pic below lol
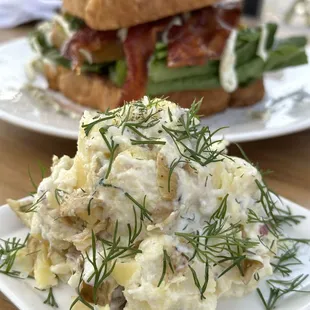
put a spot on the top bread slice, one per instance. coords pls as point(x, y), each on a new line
point(116, 14)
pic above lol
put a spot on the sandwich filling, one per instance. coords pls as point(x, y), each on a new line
point(199, 50)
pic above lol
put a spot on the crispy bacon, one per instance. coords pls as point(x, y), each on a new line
point(89, 40)
point(138, 47)
point(203, 36)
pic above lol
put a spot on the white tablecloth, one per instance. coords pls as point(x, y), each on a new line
point(16, 12)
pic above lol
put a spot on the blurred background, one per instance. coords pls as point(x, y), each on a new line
point(289, 13)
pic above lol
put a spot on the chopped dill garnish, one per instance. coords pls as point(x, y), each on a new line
point(170, 115)
point(202, 288)
point(89, 205)
point(279, 288)
point(80, 297)
point(144, 212)
point(141, 142)
point(33, 183)
point(8, 251)
point(166, 261)
point(88, 127)
point(59, 195)
point(217, 238)
point(50, 300)
point(285, 259)
point(32, 207)
point(112, 148)
point(220, 212)
point(111, 251)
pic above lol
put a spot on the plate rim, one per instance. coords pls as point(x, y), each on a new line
point(273, 133)
point(39, 128)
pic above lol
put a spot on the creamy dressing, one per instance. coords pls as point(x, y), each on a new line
point(228, 74)
point(87, 55)
point(122, 34)
point(65, 25)
point(262, 49)
point(47, 29)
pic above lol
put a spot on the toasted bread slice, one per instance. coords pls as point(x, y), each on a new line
point(213, 100)
point(249, 95)
point(88, 90)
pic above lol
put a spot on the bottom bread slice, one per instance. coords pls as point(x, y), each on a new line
point(100, 93)
point(88, 90)
point(217, 100)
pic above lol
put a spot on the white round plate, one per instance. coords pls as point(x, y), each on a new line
point(286, 108)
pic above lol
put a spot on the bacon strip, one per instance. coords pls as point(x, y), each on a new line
point(203, 36)
point(89, 40)
point(138, 47)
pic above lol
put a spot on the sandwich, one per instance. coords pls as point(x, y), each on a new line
point(102, 53)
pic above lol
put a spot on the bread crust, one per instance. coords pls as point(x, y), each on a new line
point(249, 95)
point(116, 14)
point(88, 90)
point(213, 100)
point(99, 93)
point(217, 100)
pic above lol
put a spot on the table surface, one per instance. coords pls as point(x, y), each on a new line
point(288, 157)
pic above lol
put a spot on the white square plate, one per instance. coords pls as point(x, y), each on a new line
point(23, 294)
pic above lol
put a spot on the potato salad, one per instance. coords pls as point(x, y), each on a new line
point(150, 214)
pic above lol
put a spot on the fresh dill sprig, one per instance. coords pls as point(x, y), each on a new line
point(280, 288)
point(145, 213)
point(220, 212)
point(146, 142)
point(269, 247)
point(33, 206)
point(297, 240)
point(202, 152)
point(217, 238)
point(112, 146)
point(170, 115)
point(101, 272)
point(270, 208)
point(33, 183)
point(89, 205)
point(286, 259)
point(80, 298)
point(286, 217)
point(166, 262)
point(202, 288)
point(134, 233)
point(50, 300)
point(88, 127)
point(111, 251)
point(59, 195)
point(142, 121)
point(8, 251)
